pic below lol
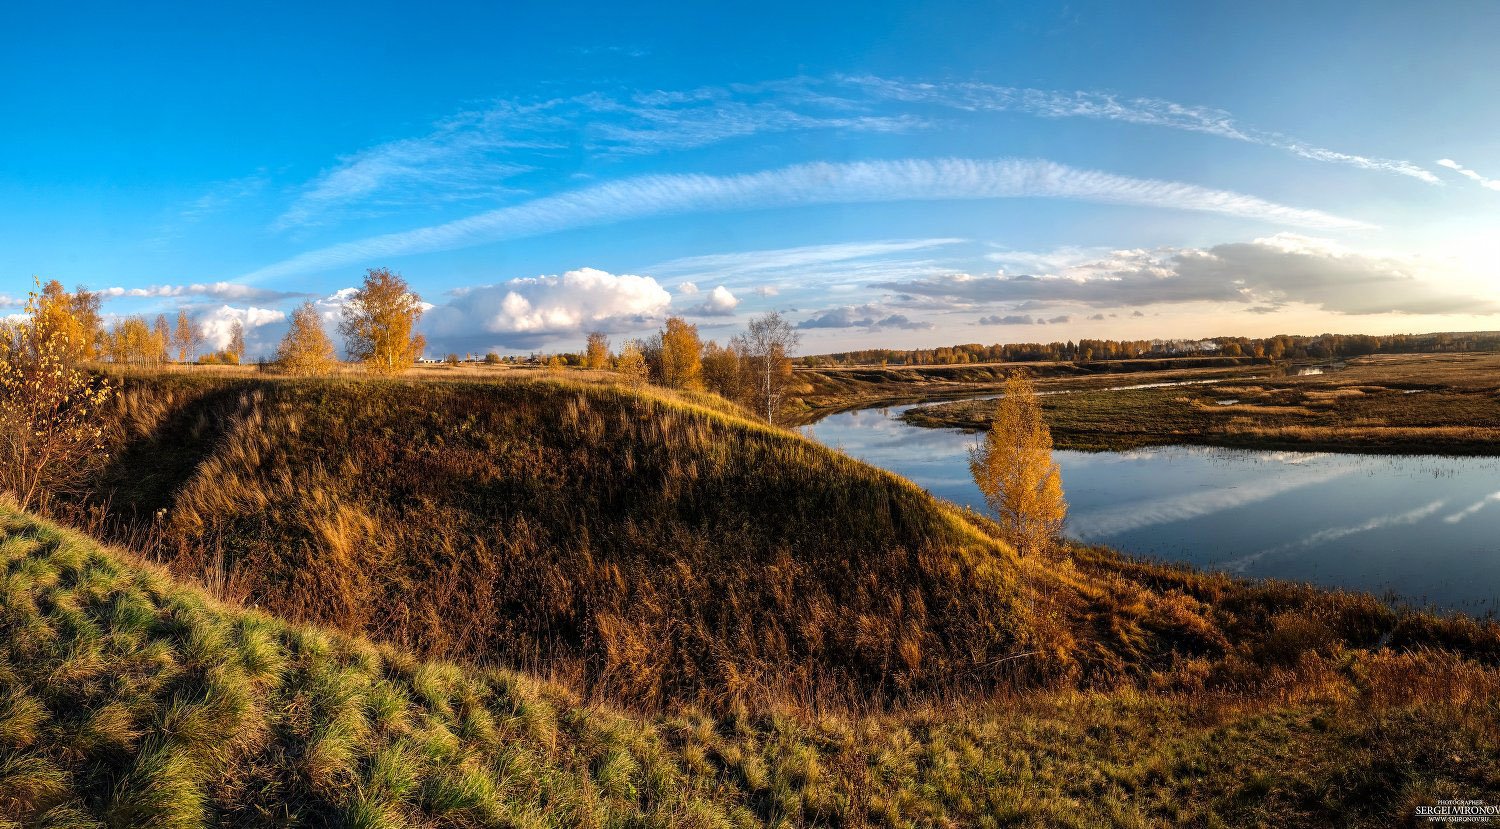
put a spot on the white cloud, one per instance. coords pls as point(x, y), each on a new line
point(212, 290)
point(522, 310)
point(1266, 273)
point(215, 324)
point(1491, 183)
point(802, 184)
point(687, 289)
point(719, 303)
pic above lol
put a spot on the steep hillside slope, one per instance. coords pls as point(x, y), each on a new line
point(657, 547)
point(128, 699)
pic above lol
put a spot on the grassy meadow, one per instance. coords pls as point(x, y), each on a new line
point(541, 599)
point(1419, 403)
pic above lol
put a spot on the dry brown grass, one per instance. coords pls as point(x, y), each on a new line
point(1446, 403)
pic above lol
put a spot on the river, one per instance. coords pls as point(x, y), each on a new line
point(1422, 528)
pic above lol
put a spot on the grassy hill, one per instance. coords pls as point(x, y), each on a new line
point(653, 549)
point(130, 699)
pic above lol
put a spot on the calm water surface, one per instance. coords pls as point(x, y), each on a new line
point(1426, 528)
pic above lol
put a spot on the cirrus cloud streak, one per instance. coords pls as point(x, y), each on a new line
point(800, 185)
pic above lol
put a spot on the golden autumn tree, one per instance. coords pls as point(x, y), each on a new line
point(71, 321)
point(132, 342)
point(596, 351)
point(161, 340)
point(379, 324)
point(306, 350)
point(680, 355)
point(1015, 472)
point(186, 337)
point(724, 373)
point(50, 433)
point(631, 364)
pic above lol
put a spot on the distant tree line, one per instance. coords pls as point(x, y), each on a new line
point(1279, 347)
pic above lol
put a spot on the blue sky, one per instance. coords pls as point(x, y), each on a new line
point(884, 173)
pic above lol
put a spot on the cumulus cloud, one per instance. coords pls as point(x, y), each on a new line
point(802, 184)
point(1265, 273)
point(869, 317)
point(687, 288)
point(523, 311)
point(719, 303)
point(215, 324)
point(212, 290)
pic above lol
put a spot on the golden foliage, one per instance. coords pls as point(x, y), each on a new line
point(631, 364)
point(49, 406)
point(596, 353)
point(681, 360)
point(306, 350)
point(1014, 470)
point(69, 321)
point(379, 321)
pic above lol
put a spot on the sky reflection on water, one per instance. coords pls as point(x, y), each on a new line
point(1425, 527)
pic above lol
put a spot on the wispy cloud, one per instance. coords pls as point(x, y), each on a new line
point(781, 260)
point(210, 290)
point(803, 184)
point(475, 154)
point(1483, 181)
point(1110, 107)
point(479, 153)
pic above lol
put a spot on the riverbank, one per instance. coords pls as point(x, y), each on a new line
point(1399, 404)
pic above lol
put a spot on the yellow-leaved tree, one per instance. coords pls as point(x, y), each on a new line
point(1015, 472)
point(631, 364)
point(680, 355)
point(69, 321)
point(596, 352)
point(50, 426)
point(306, 350)
point(380, 321)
